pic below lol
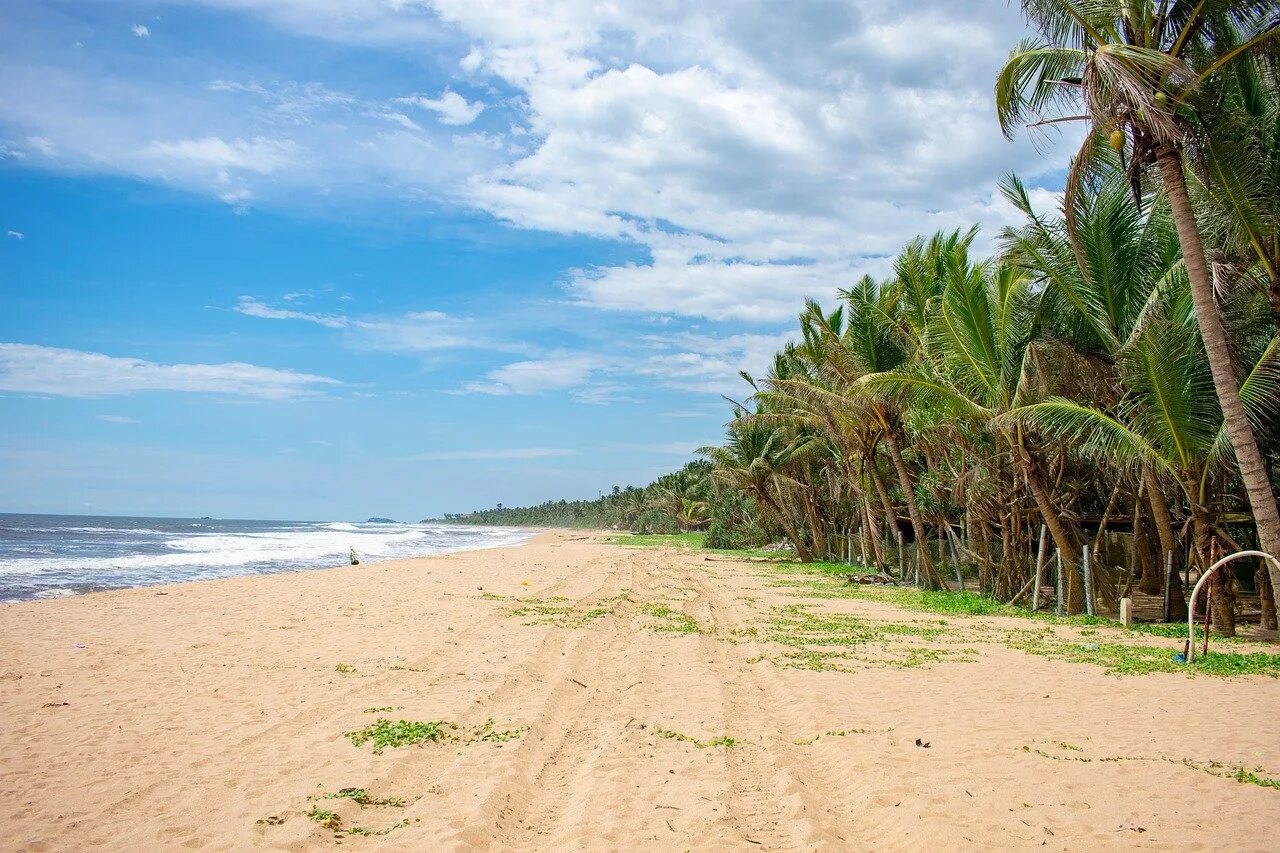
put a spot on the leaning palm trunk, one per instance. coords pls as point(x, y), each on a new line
point(1067, 545)
point(1253, 469)
point(928, 572)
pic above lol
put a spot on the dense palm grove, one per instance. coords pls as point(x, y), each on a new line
point(1114, 366)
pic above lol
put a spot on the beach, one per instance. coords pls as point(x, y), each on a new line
point(594, 696)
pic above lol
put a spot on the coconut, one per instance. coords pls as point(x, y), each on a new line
point(1117, 139)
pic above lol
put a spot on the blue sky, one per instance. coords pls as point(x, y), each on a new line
point(322, 259)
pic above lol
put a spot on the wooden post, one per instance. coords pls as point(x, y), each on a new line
point(1166, 611)
point(955, 557)
point(1057, 604)
point(902, 565)
point(1035, 593)
point(1088, 582)
point(1126, 612)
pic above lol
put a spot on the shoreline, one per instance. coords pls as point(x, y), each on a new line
point(603, 697)
point(532, 534)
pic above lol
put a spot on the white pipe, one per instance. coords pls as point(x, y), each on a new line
point(1191, 609)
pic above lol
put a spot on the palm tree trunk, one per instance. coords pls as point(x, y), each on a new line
point(1168, 543)
point(1253, 469)
point(890, 517)
point(928, 574)
point(1224, 580)
point(784, 518)
point(1062, 538)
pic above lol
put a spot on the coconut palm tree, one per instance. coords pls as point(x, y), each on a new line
point(1133, 70)
point(983, 362)
point(753, 460)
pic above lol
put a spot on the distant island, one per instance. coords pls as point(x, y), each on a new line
point(376, 520)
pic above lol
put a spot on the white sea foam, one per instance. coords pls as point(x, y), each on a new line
point(229, 552)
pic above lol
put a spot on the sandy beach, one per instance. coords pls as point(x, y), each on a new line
point(600, 697)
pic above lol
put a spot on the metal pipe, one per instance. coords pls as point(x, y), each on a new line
point(1191, 608)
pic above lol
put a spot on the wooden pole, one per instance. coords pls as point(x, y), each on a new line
point(1088, 582)
point(1035, 593)
point(955, 556)
point(1126, 612)
point(1166, 612)
point(1057, 604)
point(902, 565)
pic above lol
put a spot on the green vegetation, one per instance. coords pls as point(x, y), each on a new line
point(724, 741)
point(344, 667)
point(1131, 659)
point(676, 503)
point(836, 733)
point(560, 611)
point(383, 733)
point(1112, 366)
point(1243, 775)
point(671, 620)
point(364, 798)
point(326, 818)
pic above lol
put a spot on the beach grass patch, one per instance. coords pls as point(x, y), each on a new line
point(1135, 659)
point(723, 741)
point(693, 541)
point(344, 668)
point(363, 798)
point(384, 733)
point(561, 611)
point(1244, 775)
point(325, 817)
point(670, 620)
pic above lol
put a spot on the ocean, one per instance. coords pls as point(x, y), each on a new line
point(49, 556)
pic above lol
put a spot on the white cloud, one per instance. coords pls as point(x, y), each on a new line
point(260, 154)
point(118, 419)
point(451, 107)
point(17, 235)
point(33, 369)
point(494, 454)
point(253, 308)
point(141, 31)
point(751, 158)
point(709, 363)
point(557, 372)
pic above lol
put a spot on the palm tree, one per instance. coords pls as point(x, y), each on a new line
point(753, 460)
point(1167, 423)
point(1133, 70)
point(1098, 277)
point(982, 363)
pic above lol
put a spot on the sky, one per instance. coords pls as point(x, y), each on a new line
point(332, 259)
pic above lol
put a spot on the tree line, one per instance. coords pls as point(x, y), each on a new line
point(1113, 364)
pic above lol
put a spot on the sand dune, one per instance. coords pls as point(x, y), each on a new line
point(589, 685)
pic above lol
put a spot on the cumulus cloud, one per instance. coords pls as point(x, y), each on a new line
point(495, 454)
point(752, 158)
point(141, 31)
point(451, 107)
point(33, 369)
point(16, 235)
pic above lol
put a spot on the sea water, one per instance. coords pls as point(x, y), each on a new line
point(48, 556)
